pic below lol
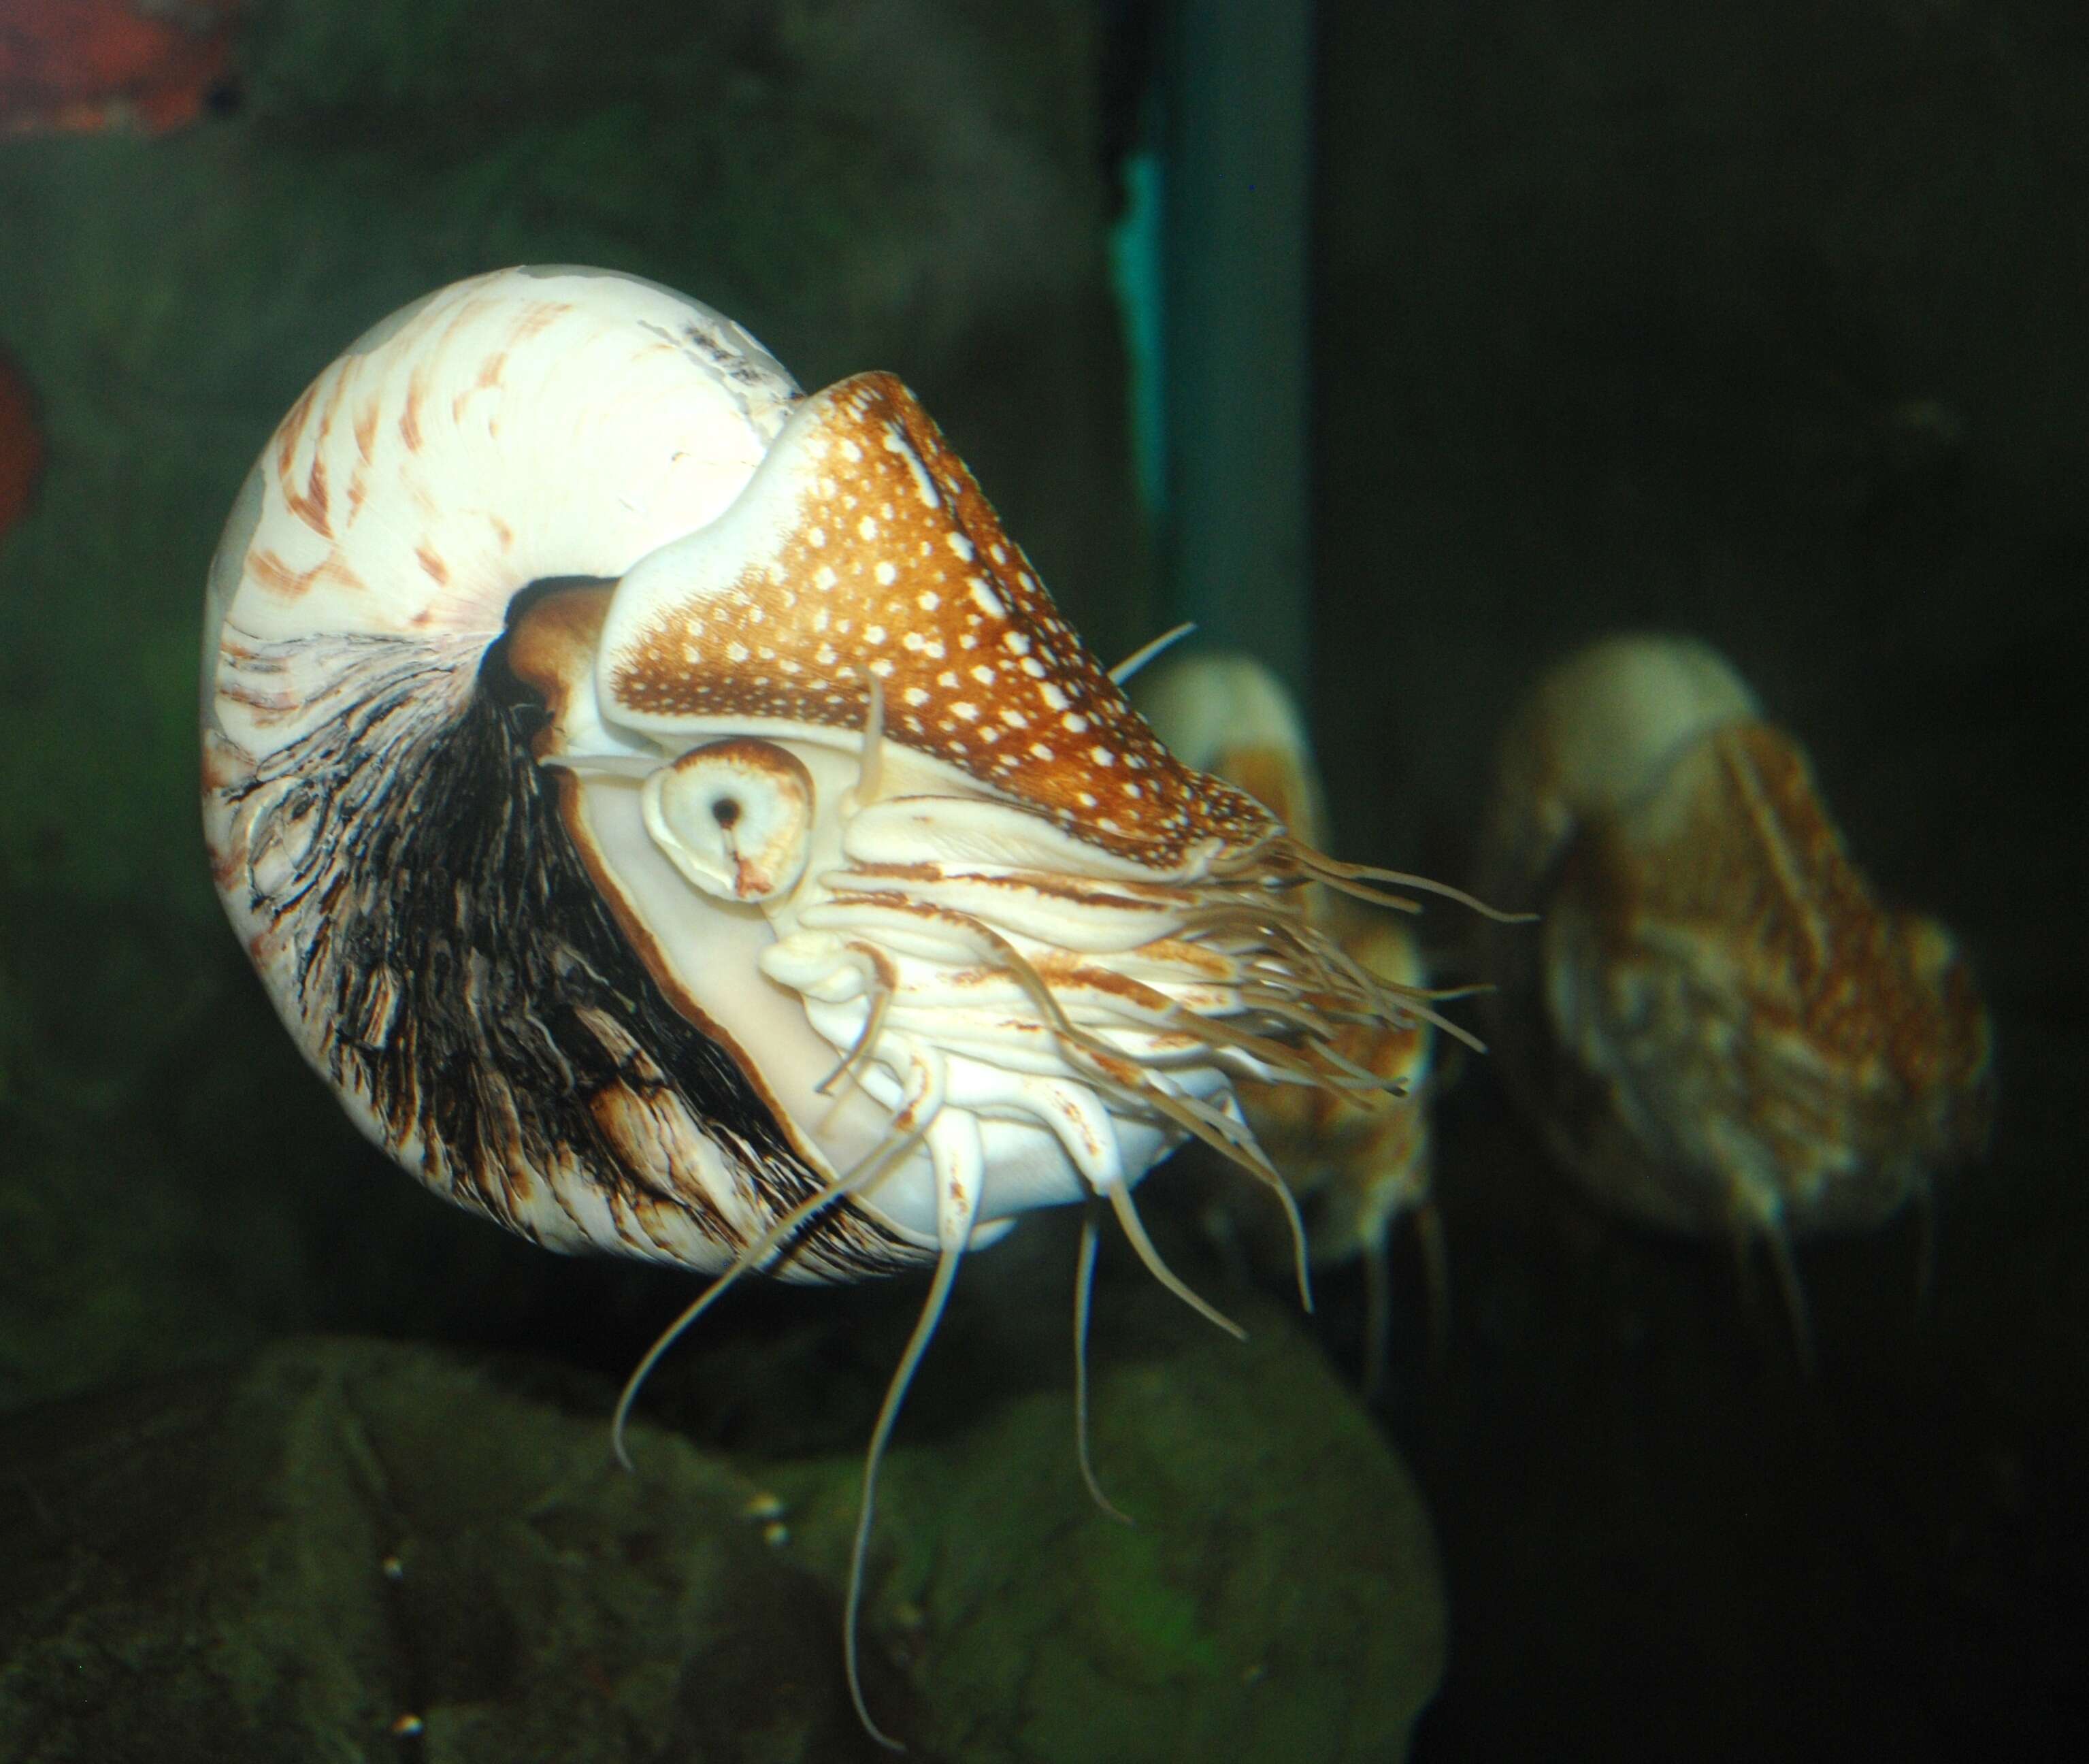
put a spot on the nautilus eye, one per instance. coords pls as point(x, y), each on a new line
point(734, 816)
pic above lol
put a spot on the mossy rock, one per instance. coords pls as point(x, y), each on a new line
point(341, 1542)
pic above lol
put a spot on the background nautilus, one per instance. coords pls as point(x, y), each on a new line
point(1357, 1163)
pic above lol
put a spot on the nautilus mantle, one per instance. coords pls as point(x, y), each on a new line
point(1721, 1028)
point(670, 812)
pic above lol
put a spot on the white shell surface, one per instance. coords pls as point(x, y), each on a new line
point(459, 452)
point(1597, 734)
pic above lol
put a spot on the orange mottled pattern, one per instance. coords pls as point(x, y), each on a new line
point(894, 567)
point(1756, 868)
point(79, 65)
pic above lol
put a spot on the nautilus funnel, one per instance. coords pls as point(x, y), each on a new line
point(1721, 1028)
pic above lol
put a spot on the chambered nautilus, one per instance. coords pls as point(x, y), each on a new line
point(670, 812)
point(1721, 1029)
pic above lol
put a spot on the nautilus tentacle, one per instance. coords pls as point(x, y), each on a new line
point(673, 816)
point(1358, 1161)
point(1721, 1030)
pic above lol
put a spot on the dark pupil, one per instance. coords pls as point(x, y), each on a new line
point(725, 811)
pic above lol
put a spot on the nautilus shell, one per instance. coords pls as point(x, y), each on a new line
point(1357, 1162)
point(1720, 1028)
point(671, 813)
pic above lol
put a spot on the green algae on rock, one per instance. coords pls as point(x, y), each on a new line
point(345, 1540)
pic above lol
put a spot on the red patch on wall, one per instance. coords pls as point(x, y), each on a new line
point(21, 445)
point(77, 66)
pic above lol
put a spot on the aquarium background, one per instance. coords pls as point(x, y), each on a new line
point(1743, 322)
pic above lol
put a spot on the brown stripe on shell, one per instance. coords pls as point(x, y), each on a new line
point(410, 418)
point(894, 567)
point(308, 503)
point(272, 573)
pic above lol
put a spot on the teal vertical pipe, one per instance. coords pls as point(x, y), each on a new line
point(1237, 92)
